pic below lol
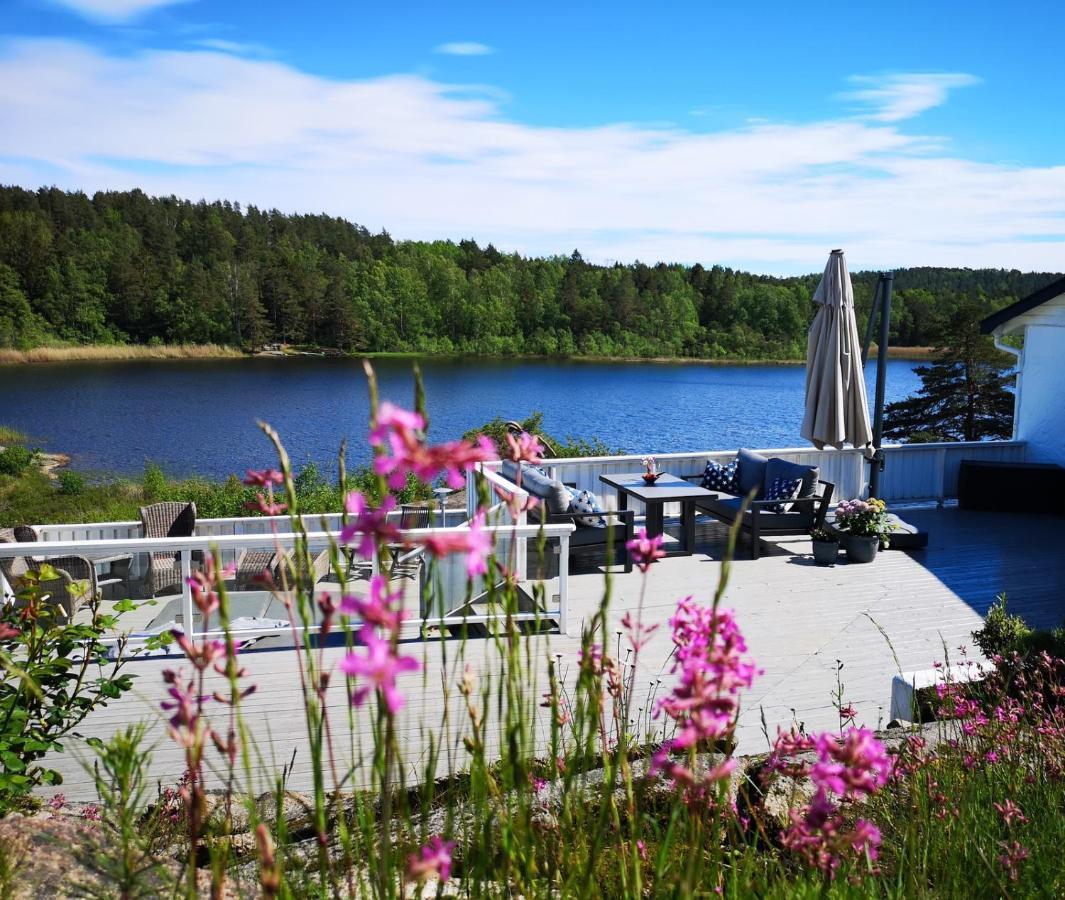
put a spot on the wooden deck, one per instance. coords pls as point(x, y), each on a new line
point(798, 619)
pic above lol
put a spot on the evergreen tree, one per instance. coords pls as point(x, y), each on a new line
point(965, 395)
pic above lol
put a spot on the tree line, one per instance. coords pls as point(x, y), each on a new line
point(123, 267)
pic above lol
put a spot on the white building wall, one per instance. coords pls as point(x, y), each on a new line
point(1040, 414)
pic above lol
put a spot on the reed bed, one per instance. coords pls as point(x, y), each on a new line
point(113, 352)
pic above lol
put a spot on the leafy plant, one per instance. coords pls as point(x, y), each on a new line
point(70, 483)
point(52, 675)
point(120, 775)
point(16, 459)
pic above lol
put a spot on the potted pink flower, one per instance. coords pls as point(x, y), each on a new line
point(650, 467)
point(865, 527)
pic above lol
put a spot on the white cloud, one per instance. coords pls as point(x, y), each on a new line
point(464, 48)
point(903, 96)
point(429, 160)
point(115, 10)
point(238, 48)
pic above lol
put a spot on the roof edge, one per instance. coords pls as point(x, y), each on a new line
point(993, 321)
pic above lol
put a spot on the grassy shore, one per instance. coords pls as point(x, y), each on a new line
point(131, 352)
point(105, 352)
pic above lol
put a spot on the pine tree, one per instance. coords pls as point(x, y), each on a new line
point(965, 395)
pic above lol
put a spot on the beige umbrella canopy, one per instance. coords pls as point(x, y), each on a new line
point(837, 411)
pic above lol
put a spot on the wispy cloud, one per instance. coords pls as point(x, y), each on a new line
point(114, 11)
point(430, 160)
point(238, 48)
point(895, 97)
point(464, 48)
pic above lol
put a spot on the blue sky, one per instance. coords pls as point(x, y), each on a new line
point(756, 136)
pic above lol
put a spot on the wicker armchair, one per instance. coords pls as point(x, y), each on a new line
point(169, 519)
point(75, 584)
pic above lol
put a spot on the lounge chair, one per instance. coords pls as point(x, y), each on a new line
point(755, 472)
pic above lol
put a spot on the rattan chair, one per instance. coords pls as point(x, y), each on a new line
point(169, 519)
point(75, 584)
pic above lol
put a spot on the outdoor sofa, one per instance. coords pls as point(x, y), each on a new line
point(762, 516)
point(555, 507)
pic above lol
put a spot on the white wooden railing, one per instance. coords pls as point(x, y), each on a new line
point(257, 535)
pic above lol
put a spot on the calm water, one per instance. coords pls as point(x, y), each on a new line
point(199, 417)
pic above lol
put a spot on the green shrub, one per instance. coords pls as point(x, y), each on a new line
point(15, 460)
point(1004, 634)
point(533, 424)
point(70, 483)
point(52, 675)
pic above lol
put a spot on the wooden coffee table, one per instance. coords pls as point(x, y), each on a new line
point(667, 489)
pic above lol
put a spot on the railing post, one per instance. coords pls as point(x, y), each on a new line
point(563, 584)
point(188, 621)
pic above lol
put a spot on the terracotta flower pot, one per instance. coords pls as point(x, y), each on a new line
point(649, 478)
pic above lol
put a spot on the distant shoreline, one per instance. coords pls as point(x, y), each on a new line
point(140, 352)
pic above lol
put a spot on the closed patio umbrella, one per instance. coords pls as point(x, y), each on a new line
point(837, 411)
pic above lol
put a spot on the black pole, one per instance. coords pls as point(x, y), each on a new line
point(872, 321)
point(887, 279)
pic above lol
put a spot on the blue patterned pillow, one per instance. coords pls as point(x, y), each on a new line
point(587, 502)
point(782, 489)
point(717, 477)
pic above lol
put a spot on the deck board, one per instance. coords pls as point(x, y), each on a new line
point(798, 619)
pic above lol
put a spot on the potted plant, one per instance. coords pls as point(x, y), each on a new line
point(865, 528)
point(650, 473)
point(826, 547)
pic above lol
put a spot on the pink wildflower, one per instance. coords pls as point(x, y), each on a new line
point(474, 541)
point(263, 477)
point(265, 505)
point(1013, 854)
point(184, 704)
point(645, 550)
point(433, 858)
point(1010, 813)
point(57, 802)
point(91, 812)
point(370, 523)
point(379, 666)
point(637, 633)
point(201, 655)
point(641, 849)
point(525, 448)
point(403, 431)
point(378, 609)
point(852, 766)
point(847, 712)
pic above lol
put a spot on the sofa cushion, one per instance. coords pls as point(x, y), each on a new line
point(554, 494)
point(782, 468)
point(727, 508)
point(587, 502)
point(784, 490)
point(751, 473)
point(717, 477)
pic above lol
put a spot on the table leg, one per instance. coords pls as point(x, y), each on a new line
point(655, 518)
point(687, 520)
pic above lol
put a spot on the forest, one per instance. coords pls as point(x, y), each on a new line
point(127, 268)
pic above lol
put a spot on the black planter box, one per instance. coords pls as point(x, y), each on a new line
point(1011, 487)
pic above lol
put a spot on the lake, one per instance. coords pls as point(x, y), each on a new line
point(198, 417)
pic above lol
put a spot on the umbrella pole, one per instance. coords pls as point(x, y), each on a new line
point(887, 280)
